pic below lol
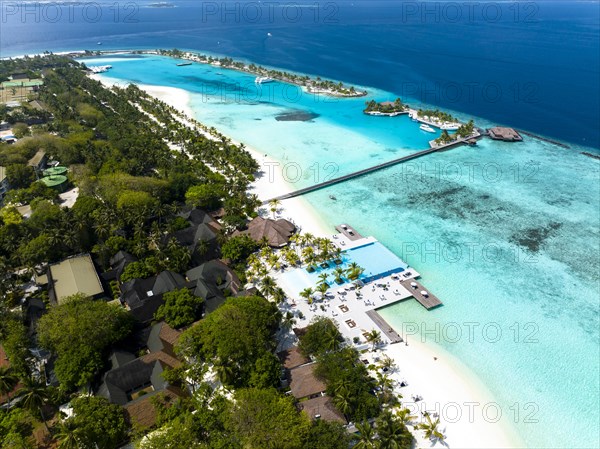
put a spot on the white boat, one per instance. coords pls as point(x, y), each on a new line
point(450, 126)
point(263, 79)
point(100, 68)
point(426, 128)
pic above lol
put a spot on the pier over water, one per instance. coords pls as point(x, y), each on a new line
point(365, 171)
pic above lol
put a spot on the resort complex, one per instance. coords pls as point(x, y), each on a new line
point(201, 252)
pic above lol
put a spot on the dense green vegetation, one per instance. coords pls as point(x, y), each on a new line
point(386, 107)
point(238, 339)
point(436, 114)
point(180, 308)
point(77, 331)
point(137, 164)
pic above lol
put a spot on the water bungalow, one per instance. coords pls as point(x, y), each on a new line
point(504, 134)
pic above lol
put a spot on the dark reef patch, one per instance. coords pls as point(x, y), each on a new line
point(296, 116)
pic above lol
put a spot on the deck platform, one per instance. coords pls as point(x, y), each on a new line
point(429, 302)
point(390, 333)
point(349, 232)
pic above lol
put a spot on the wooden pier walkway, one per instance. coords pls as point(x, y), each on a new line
point(390, 333)
point(372, 169)
point(429, 302)
point(352, 175)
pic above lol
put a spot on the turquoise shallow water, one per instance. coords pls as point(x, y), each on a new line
point(506, 235)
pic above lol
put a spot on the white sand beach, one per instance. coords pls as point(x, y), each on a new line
point(443, 381)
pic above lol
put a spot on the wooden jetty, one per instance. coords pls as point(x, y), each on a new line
point(390, 333)
point(348, 231)
point(429, 302)
point(372, 169)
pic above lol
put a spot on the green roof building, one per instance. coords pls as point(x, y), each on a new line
point(74, 275)
point(54, 181)
point(53, 171)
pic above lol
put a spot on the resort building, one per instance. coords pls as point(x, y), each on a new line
point(308, 390)
point(74, 275)
point(3, 183)
point(214, 281)
point(200, 237)
point(143, 297)
point(505, 134)
point(276, 232)
point(132, 382)
point(38, 161)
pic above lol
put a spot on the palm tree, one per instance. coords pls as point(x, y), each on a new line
point(307, 293)
point(387, 363)
point(322, 287)
point(67, 435)
point(34, 396)
point(288, 320)
point(338, 272)
point(405, 416)
point(274, 206)
point(342, 402)
point(393, 434)
point(268, 286)
point(365, 437)
point(278, 295)
point(431, 428)
point(373, 337)
point(8, 381)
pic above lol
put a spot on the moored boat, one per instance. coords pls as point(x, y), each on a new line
point(263, 79)
point(426, 128)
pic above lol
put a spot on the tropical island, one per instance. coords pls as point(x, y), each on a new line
point(464, 131)
point(313, 85)
point(155, 236)
point(386, 108)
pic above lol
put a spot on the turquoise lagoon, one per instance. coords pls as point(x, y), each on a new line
point(506, 235)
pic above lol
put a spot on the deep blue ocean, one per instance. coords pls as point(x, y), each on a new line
point(531, 65)
point(515, 243)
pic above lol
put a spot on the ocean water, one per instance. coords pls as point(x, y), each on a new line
point(506, 235)
point(532, 65)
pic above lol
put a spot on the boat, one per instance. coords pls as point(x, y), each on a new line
point(331, 197)
point(181, 64)
point(100, 68)
point(426, 128)
point(99, 43)
point(263, 79)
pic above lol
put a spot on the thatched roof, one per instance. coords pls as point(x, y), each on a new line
point(321, 407)
point(277, 232)
point(291, 358)
point(304, 383)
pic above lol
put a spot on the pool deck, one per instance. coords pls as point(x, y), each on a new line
point(355, 309)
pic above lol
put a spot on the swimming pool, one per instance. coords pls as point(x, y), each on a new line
point(375, 258)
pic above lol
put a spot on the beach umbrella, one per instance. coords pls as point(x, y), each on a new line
point(424, 293)
point(413, 284)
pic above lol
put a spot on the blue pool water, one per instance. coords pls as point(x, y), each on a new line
point(374, 258)
point(504, 234)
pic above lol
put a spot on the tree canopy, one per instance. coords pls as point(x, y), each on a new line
point(179, 309)
point(322, 335)
point(98, 423)
point(236, 338)
point(264, 419)
point(78, 330)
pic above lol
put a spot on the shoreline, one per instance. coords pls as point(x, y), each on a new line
point(443, 381)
